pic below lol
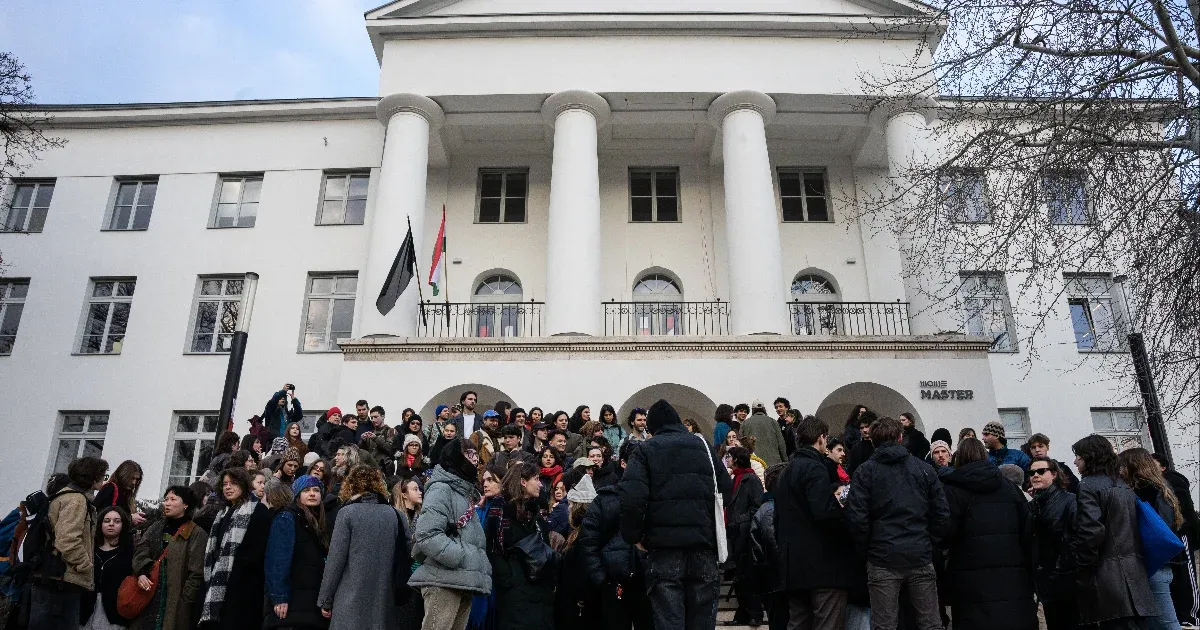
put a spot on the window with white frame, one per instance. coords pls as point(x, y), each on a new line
point(344, 198)
point(1094, 317)
point(28, 206)
point(191, 446)
point(964, 195)
point(502, 195)
point(237, 201)
point(107, 315)
point(328, 310)
point(1123, 427)
point(658, 305)
point(1065, 196)
point(987, 310)
point(802, 195)
point(12, 304)
point(80, 434)
point(654, 195)
point(497, 306)
point(133, 204)
point(215, 314)
point(1016, 426)
point(308, 425)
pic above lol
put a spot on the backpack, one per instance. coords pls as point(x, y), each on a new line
point(32, 550)
point(8, 530)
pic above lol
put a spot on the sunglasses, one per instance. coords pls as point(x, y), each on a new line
point(1038, 471)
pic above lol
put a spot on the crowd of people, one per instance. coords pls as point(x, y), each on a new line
point(508, 519)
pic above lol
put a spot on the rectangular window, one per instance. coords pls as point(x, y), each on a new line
point(502, 195)
point(1122, 426)
point(987, 309)
point(1094, 317)
point(191, 446)
point(12, 303)
point(964, 196)
point(133, 204)
point(29, 205)
point(344, 199)
point(328, 311)
point(308, 425)
point(106, 315)
point(1066, 200)
point(214, 318)
point(80, 434)
point(654, 195)
point(802, 195)
point(237, 201)
point(1016, 426)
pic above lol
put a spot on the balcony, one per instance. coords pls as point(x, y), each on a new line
point(849, 319)
point(480, 319)
point(676, 319)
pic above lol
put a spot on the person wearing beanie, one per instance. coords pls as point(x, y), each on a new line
point(409, 462)
point(441, 416)
point(450, 538)
point(998, 451)
point(667, 495)
point(271, 460)
point(940, 454)
point(939, 434)
point(320, 441)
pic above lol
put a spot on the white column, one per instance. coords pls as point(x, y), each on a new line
point(573, 247)
point(757, 295)
point(399, 198)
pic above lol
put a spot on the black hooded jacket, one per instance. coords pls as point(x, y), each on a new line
point(1053, 514)
point(609, 558)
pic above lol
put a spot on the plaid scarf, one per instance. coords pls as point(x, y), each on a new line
point(218, 555)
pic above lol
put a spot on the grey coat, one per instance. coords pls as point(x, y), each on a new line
point(768, 437)
point(451, 557)
point(357, 584)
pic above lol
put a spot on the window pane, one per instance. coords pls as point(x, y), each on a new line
point(210, 423)
point(210, 287)
point(18, 289)
point(321, 286)
point(149, 191)
point(181, 458)
point(332, 211)
point(98, 423)
point(206, 451)
point(253, 188)
point(816, 209)
point(489, 210)
point(668, 209)
point(37, 219)
point(16, 219)
point(789, 184)
point(358, 185)
point(114, 344)
point(65, 454)
point(1102, 421)
point(126, 193)
point(91, 344)
point(96, 319)
point(314, 341)
point(187, 424)
point(343, 315)
point(346, 284)
point(141, 219)
point(318, 316)
point(516, 185)
point(792, 210)
point(229, 316)
point(814, 185)
point(335, 187)
point(642, 209)
point(206, 317)
point(234, 287)
point(491, 184)
point(231, 190)
point(1126, 421)
point(120, 318)
point(44, 193)
point(125, 288)
point(514, 210)
point(1082, 325)
point(73, 423)
point(120, 217)
point(639, 184)
point(226, 214)
point(93, 448)
point(249, 211)
point(665, 184)
point(356, 211)
point(23, 196)
point(11, 320)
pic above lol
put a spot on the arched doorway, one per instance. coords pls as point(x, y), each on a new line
point(487, 395)
point(690, 403)
point(881, 399)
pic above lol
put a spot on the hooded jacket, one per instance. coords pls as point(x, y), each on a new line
point(452, 555)
point(989, 541)
point(896, 509)
point(609, 557)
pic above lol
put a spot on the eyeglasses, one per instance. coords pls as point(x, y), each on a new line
point(1038, 471)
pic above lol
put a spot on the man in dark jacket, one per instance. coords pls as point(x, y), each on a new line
point(319, 442)
point(1184, 586)
point(667, 496)
point(813, 542)
point(283, 408)
point(897, 511)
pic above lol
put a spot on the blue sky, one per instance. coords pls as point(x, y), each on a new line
point(128, 51)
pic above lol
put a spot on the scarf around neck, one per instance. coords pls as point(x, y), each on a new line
point(220, 552)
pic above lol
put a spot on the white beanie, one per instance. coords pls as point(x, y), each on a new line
point(583, 492)
point(408, 439)
point(310, 458)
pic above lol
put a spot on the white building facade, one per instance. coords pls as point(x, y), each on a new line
point(642, 200)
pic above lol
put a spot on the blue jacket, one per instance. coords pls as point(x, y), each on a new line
point(719, 433)
point(1006, 455)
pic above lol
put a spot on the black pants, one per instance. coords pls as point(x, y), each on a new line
point(54, 606)
point(749, 604)
point(1061, 615)
point(684, 586)
point(777, 611)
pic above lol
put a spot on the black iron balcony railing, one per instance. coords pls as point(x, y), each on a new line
point(865, 319)
point(666, 318)
point(491, 319)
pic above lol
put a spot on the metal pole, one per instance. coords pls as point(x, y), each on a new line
point(237, 354)
point(1145, 377)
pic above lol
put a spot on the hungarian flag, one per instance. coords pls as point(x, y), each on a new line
point(401, 274)
point(437, 268)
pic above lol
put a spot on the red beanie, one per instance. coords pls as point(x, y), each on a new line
point(333, 410)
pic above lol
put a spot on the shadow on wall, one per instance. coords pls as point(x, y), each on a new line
point(487, 395)
point(689, 402)
point(881, 399)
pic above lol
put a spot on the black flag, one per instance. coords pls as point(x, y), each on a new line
point(399, 277)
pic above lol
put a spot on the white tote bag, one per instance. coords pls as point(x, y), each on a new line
point(718, 507)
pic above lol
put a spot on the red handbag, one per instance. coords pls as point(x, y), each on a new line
point(131, 599)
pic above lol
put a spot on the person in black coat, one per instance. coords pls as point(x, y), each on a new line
point(295, 559)
point(1039, 446)
point(814, 546)
point(744, 504)
point(914, 440)
point(989, 541)
point(767, 564)
point(243, 585)
point(667, 496)
point(1053, 514)
point(861, 449)
point(113, 563)
point(282, 408)
point(1111, 583)
point(1184, 584)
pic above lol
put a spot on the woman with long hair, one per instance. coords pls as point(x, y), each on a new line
point(732, 439)
point(181, 574)
point(550, 467)
point(582, 414)
point(410, 462)
point(850, 433)
point(721, 424)
point(988, 574)
point(1053, 514)
point(288, 466)
point(121, 490)
point(520, 602)
point(292, 434)
point(744, 502)
point(612, 429)
point(233, 558)
point(254, 445)
point(407, 497)
point(483, 607)
point(320, 470)
point(226, 445)
point(295, 559)
point(1113, 590)
point(577, 601)
point(1143, 474)
point(344, 459)
point(113, 563)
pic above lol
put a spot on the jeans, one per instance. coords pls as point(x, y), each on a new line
point(885, 585)
point(54, 606)
point(1160, 585)
point(684, 586)
point(818, 609)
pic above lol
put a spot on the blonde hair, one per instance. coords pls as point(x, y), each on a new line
point(1140, 469)
point(575, 512)
point(361, 480)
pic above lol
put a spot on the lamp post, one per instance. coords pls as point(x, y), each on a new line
point(1145, 377)
point(237, 354)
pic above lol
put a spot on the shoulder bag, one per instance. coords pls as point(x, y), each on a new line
point(1159, 543)
point(131, 599)
point(537, 557)
point(718, 507)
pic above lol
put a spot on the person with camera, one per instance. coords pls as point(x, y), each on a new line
point(283, 408)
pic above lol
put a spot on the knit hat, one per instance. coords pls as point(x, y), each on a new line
point(944, 435)
point(333, 410)
point(409, 439)
point(290, 454)
point(278, 445)
point(440, 408)
point(994, 428)
point(306, 481)
point(661, 414)
point(936, 443)
point(310, 458)
point(583, 492)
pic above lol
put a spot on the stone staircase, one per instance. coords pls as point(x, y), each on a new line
point(726, 607)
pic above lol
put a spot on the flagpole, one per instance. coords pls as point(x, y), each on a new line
point(445, 268)
point(420, 294)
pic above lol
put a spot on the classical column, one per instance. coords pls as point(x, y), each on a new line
point(757, 296)
point(573, 247)
point(399, 198)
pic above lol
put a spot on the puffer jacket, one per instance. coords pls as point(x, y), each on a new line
point(609, 557)
point(452, 556)
point(1053, 513)
point(1111, 581)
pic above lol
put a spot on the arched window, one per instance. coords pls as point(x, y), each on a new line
point(813, 311)
point(497, 309)
point(813, 287)
point(658, 308)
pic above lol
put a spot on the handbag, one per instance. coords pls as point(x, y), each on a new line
point(718, 507)
point(1159, 543)
point(131, 599)
point(537, 557)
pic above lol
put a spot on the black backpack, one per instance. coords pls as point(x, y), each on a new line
point(33, 549)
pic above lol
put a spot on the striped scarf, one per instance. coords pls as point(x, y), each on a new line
point(218, 555)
